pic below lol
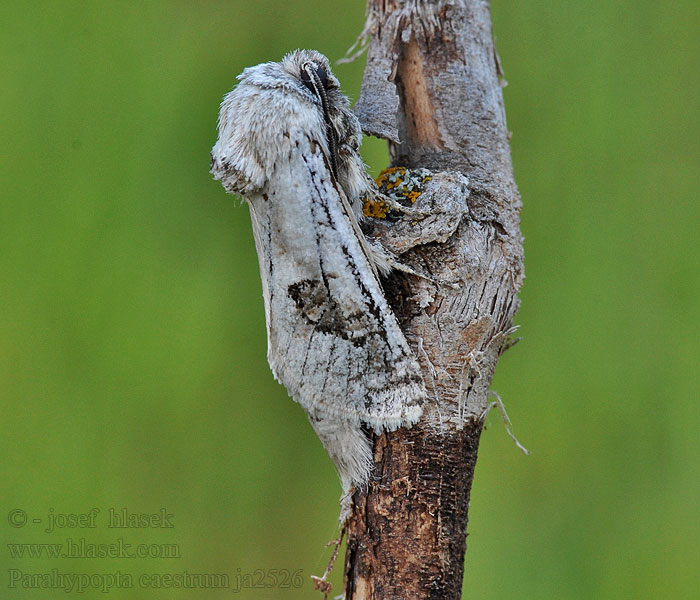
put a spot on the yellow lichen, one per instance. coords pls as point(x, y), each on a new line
point(386, 174)
point(377, 209)
point(400, 184)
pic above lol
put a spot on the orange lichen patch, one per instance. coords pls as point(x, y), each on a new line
point(377, 209)
point(390, 177)
point(399, 184)
point(413, 196)
point(403, 183)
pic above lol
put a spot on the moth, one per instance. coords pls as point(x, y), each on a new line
point(288, 144)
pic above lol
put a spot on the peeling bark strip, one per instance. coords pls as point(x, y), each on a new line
point(431, 87)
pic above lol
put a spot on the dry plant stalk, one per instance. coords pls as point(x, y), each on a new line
point(432, 88)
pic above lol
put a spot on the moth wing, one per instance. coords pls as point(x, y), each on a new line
point(333, 340)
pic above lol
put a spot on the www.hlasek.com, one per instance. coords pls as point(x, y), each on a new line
point(105, 582)
point(81, 548)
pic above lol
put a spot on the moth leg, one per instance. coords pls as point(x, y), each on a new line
point(410, 211)
point(374, 197)
point(387, 262)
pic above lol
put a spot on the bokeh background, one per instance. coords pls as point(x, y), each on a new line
point(132, 338)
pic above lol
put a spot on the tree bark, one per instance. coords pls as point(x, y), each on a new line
point(432, 88)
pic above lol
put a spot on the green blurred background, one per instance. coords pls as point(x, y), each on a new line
point(132, 339)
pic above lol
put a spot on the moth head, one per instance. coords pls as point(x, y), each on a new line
point(313, 71)
point(270, 98)
point(314, 77)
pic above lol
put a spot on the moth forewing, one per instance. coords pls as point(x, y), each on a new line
point(333, 340)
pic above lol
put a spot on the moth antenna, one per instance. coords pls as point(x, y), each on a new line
point(320, 91)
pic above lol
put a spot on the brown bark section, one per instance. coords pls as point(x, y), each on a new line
point(398, 545)
point(420, 124)
point(432, 88)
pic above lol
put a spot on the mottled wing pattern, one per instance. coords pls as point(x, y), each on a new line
point(333, 341)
